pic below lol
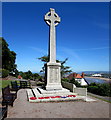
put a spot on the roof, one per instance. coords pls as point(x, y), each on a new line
point(78, 76)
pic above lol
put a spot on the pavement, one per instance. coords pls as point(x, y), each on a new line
point(102, 97)
point(74, 109)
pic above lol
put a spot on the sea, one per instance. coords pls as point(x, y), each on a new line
point(92, 80)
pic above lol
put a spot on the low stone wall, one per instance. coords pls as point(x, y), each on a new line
point(81, 91)
point(69, 86)
point(73, 88)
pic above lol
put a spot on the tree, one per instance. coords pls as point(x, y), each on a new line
point(29, 75)
point(8, 57)
point(64, 69)
point(36, 76)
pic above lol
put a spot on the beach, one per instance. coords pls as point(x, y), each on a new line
point(101, 78)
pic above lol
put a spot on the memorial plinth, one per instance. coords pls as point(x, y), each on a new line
point(53, 76)
point(53, 68)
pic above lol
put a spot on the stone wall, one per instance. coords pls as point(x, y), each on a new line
point(69, 86)
point(73, 88)
point(81, 91)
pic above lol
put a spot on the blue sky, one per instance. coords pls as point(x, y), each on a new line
point(82, 35)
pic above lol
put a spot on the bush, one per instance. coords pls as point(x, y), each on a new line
point(100, 89)
point(5, 73)
point(93, 89)
point(65, 79)
point(105, 90)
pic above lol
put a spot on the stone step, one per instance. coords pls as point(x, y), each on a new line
point(29, 94)
point(38, 97)
point(37, 93)
point(53, 91)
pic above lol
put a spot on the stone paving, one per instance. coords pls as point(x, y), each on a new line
point(77, 109)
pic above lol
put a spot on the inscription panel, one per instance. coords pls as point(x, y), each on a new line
point(53, 74)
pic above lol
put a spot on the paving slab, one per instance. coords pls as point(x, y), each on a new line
point(76, 109)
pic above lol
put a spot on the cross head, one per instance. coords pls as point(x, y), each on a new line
point(52, 18)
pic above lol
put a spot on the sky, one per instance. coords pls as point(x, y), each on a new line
point(82, 36)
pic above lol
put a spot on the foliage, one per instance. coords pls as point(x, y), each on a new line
point(36, 75)
point(65, 79)
point(44, 59)
point(100, 89)
point(29, 75)
point(4, 72)
point(64, 69)
point(8, 57)
point(77, 84)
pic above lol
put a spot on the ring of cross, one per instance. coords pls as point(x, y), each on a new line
point(48, 21)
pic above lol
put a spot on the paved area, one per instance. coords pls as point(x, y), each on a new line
point(78, 109)
point(102, 97)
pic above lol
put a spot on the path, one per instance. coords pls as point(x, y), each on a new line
point(78, 109)
point(101, 97)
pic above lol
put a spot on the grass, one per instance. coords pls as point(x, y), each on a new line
point(4, 83)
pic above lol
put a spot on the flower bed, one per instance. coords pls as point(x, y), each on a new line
point(49, 97)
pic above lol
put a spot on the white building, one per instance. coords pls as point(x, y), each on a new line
point(79, 78)
point(96, 75)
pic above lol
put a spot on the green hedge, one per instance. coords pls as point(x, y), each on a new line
point(100, 89)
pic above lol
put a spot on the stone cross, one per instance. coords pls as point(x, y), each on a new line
point(53, 68)
point(52, 19)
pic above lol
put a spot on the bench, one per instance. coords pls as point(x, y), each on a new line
point(3, 112)
point(25, 84)
point(14, 86)
point(8, 97)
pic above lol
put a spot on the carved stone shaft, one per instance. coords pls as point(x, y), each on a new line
point(52, 19)
point(53, 68)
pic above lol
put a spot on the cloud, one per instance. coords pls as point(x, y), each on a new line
point(39, 50)
point(69, 52)
point(98, 48)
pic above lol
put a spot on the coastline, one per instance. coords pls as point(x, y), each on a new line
point(106, 79)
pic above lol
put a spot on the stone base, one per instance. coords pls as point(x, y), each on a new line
point(53, 77)
point(62, 91)
point(48, 96)
point(53, 87)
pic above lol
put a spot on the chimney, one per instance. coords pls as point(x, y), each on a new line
point(74, 75)
point(82, 75)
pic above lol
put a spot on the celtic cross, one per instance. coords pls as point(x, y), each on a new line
point(52, 19)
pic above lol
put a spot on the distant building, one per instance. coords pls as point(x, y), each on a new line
point(78, 77)
point(96, 75)
point(19, 77)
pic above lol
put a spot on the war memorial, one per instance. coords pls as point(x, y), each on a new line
point(56, 99)
point(55, 90)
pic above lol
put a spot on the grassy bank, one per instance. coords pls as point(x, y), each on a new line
point(4, 83)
